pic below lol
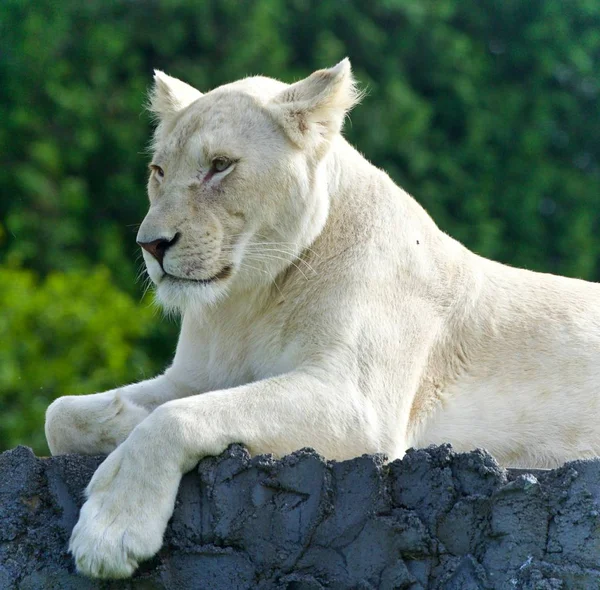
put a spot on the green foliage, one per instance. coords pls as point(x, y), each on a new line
point(72, 333)
point(486, 111)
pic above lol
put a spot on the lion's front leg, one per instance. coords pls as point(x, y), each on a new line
point(96, 424)
point(130, 500)
point(131, 496)
point(91, 424)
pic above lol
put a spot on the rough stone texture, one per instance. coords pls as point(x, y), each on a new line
point(435, 519)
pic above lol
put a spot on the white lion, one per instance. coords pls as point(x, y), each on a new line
point(321, 307)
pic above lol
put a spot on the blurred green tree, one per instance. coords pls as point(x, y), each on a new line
point(71, 333)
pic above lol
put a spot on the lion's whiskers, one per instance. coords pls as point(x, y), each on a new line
point(274, 257)
point(254, 252)
point(295, 246)
point(273, 281)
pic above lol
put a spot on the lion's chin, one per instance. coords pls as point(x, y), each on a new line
point(179, 295)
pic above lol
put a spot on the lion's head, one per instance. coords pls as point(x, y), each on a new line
point(237, 187)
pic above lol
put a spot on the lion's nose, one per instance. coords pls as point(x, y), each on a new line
point(158, 247)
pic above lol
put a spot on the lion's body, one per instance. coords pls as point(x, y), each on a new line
point(341, 318)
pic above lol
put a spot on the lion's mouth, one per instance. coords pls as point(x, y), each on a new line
point(223, 274)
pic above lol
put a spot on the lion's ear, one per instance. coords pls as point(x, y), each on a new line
point(313, 110)
point(170, 95)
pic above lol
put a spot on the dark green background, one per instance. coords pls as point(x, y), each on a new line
point(486, 111)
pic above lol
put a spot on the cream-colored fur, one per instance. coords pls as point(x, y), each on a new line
point(342, 318)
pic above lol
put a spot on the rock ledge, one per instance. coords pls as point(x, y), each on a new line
point(435, 519)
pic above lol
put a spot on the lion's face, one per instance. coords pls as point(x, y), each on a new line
point(236, 187)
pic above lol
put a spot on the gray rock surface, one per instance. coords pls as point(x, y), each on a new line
point(435, 519)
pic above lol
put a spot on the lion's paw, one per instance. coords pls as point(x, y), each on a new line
point(108, 543)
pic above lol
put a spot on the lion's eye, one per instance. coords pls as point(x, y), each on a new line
point(157, 170)
point(221, 164)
